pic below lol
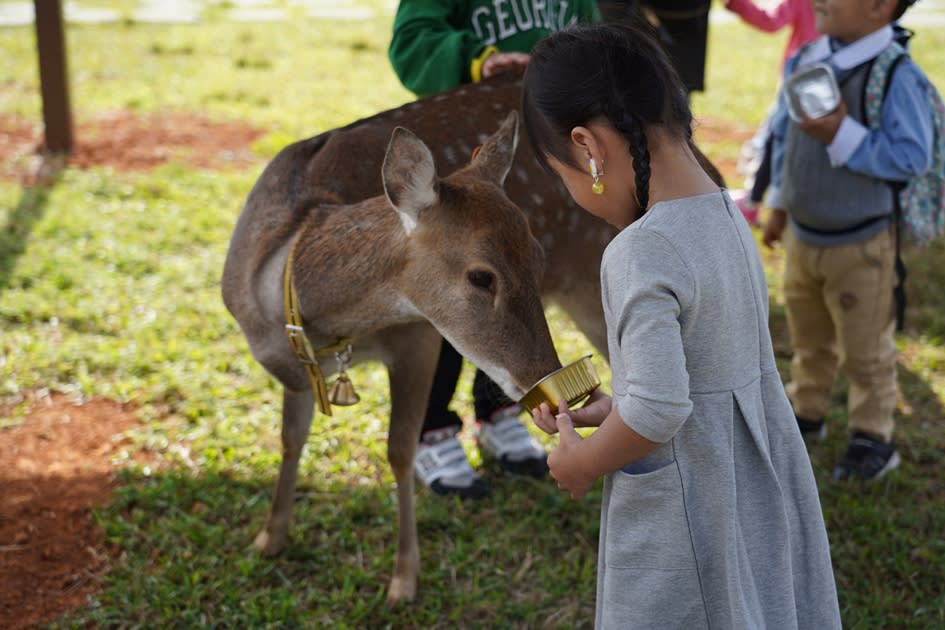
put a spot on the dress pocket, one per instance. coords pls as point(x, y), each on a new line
point(646, 526)
point(650, 579)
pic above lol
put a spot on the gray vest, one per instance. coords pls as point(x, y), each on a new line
point(827, 205)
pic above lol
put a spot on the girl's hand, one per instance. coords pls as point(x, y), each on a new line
point(593, 412)
point(563, 460)
point(500, 62)
point(545, 419)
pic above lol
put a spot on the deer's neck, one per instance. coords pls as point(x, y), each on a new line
point(347, 264)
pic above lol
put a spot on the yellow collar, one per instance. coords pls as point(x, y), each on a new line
point(299, 341)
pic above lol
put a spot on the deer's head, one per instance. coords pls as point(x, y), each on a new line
point(473, 267)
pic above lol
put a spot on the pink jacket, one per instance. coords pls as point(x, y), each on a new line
point(798, 13)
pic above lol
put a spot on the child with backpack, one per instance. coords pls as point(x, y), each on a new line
point(831, 188)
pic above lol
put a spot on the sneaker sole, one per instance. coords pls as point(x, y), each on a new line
point(479, 489)
point(892, 464)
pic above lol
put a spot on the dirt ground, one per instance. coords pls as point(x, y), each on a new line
point(53, 469)
point(125, 141)
point(61, 462)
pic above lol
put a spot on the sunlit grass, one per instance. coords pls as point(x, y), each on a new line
point(109, 287)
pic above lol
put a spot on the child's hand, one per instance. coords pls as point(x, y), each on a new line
point(774, 227)
point(545, 419)
point(562, 461)
point(593, 412)
point(825, 127)
point(500, 62)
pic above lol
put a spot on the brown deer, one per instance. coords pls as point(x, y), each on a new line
point(424, 257)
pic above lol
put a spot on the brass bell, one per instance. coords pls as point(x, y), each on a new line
point(342, 392)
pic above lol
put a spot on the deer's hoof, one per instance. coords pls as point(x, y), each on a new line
point(267, 544)
point(401, 590)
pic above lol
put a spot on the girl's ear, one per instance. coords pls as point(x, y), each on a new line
point(587, 144)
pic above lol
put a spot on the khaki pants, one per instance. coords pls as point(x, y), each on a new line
point(840, 314)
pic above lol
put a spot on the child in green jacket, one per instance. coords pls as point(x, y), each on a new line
point(438, 45)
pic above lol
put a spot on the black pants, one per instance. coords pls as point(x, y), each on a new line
point(763, 174)
point(487, 396)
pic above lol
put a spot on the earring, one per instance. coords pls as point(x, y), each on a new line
point(598, 186)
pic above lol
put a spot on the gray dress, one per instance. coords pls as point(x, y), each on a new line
point(721, 526)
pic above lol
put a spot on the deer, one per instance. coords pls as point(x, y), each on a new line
point(310, 274)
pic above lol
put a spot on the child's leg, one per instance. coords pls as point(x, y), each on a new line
point(860, 295)
point(814, 364)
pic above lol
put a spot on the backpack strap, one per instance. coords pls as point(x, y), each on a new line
point(874, 93)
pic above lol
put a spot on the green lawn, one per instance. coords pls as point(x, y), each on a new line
point(109, 287)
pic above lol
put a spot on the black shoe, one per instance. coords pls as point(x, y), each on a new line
point(812, 430)
point(866, 458)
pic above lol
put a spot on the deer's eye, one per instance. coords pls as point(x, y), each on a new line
point(481, 279)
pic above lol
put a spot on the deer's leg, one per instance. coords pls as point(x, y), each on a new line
point(297, 409)
point(411, 377)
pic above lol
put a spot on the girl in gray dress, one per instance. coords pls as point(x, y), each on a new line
point(710, 517)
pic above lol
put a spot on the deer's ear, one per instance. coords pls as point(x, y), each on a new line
point(494, 159)
point(409, 176)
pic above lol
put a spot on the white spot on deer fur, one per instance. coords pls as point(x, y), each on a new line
point(547, 241)
point(498, 106)
point(404, 307)
point(409, 222)
point(499, 375)
point(539, 200)
point(522, 175)
point(461, 92)
point(439, 98)
point(450, 155)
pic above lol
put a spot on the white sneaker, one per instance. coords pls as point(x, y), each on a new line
point(441, 465)
point(506, 439)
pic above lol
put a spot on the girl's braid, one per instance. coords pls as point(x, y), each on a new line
point(631, 128)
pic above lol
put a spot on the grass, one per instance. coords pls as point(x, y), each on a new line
point(110, 288)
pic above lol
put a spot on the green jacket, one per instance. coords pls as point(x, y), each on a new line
point(435, 42)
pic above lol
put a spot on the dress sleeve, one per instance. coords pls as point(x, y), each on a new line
point(428, 51)
point(646, 286)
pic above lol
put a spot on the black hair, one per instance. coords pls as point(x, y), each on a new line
point(618, 71)
point(901, 7)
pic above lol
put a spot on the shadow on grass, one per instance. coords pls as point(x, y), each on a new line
point(184, 557)
point(15, 235)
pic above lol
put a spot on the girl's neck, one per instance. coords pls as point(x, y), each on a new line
point(676, 173)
